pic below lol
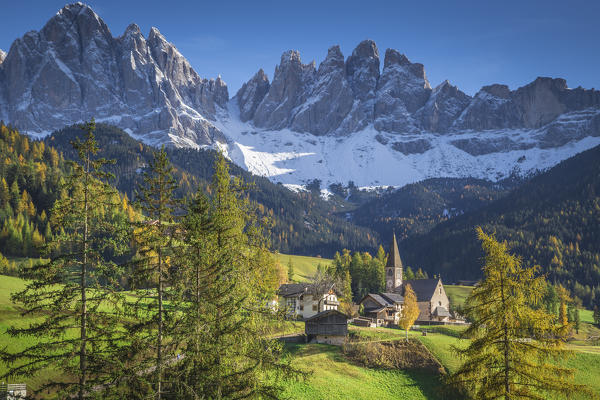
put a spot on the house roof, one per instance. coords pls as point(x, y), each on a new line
point(423, 288)
point(324, 314)
point(379, 299)
point(441, 312)
point(292, 289)
point(394, 260)
point(393, 297)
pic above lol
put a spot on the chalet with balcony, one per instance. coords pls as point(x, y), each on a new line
point(301, 301)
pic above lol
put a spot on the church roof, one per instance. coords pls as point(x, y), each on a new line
point(423, 288)
point(394, 260)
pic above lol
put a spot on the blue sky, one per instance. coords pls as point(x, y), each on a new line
point(470, 43)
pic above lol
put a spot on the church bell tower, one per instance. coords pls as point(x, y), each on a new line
point(393, 268)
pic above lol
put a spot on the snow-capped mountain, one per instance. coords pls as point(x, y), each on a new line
point(73, 69)
point(347, 120)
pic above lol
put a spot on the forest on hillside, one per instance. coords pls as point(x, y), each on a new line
point(553, 221)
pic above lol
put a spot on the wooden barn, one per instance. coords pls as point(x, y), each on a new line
point(330, 327)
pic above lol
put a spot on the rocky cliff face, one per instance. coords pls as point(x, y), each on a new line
point(251, 94)
point(74, 69)
point(344, 97)
point(288, 90)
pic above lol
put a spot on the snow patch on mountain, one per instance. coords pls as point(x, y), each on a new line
point(368, 158)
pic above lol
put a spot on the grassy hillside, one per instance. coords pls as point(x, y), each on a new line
point(335, 377)
point(304, 266)
point(457, 294)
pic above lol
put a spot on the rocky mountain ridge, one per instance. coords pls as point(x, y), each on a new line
point(346, 96)
point(73, 69)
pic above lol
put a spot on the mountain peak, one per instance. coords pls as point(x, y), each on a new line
point(73, 69)
point(74, 10)
point(394, 57)
point(132, 29)
point(2, 55)
point(155, 35)
point(366, 49)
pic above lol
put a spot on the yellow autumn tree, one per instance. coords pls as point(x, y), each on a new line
point(410, 309)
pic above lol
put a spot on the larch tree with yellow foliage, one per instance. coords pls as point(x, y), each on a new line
point(410, 309)
point(516, 347)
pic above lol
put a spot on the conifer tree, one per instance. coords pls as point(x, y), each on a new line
point(230, 277)
point(516, 346)
point(4, 193)
point(410, 309)
point(565, 299)
point(152, 343)
point(290, 270)
point(74, 294)
point(596, 315)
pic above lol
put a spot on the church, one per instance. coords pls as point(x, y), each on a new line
point(384, 308)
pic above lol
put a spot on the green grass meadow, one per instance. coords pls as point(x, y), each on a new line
point(335, 377)
point(304, 267)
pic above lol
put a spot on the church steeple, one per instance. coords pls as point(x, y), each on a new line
point(393, 267)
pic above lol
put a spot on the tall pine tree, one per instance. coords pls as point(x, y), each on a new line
point(75, 293)
point(230, 278)
point(153, 317)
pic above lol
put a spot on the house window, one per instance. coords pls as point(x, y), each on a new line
point(314, 307)
point(301, 307)
point(440, 303)
point(440, 290)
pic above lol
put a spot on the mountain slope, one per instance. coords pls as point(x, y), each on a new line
point(552, 220)
point(418, 207)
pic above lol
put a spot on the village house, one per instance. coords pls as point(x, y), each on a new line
point(329, 327)
point(301, 301)
point(384, 309)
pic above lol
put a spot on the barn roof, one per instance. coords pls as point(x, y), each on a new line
point(423, 288)
point(324, 314)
